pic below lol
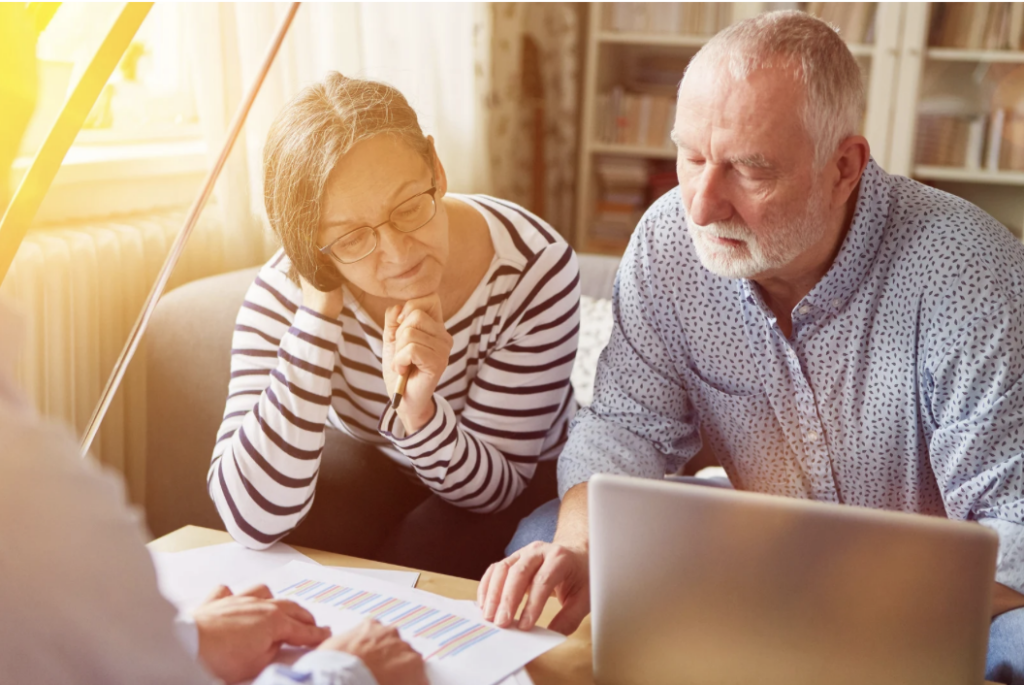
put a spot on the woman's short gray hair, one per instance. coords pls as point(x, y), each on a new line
point(834, 102)
point(305, 142)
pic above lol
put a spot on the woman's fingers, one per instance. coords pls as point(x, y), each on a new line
point(391, 323)
point(419, 349)
point(429, 305)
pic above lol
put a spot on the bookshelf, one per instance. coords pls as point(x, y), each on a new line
point(624, 40)
point(921, 61)
point(961, 89)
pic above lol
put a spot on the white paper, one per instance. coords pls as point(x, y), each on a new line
point(520, 677)
point(187, 578)
point(458, 646)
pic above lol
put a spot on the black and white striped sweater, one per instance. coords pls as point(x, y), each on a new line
point(503, 403)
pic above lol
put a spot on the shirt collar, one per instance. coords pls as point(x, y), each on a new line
point(855, 258)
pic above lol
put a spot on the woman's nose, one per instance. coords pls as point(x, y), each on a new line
point(392, 244)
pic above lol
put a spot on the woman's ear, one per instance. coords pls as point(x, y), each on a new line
point(440, 178)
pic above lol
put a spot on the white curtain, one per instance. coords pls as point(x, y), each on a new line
point(437, 54)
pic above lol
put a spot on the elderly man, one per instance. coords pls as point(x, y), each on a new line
point(838, 333)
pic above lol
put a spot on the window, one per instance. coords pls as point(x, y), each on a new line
point(145, 120)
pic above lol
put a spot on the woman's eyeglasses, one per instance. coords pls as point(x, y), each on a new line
point(410, 215)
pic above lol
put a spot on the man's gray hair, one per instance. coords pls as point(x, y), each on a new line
point(820, 60)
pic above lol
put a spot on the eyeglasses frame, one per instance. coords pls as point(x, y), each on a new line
point(432, 191)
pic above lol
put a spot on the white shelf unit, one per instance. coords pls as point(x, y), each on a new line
point(899, 65)
point(1000, 193)
point(605, 52)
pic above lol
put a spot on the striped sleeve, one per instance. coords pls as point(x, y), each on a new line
point(265, 463)
point(484, 458)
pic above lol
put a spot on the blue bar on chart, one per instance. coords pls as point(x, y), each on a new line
point(450, 633)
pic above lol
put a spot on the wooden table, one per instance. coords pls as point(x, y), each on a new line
point(569, 663)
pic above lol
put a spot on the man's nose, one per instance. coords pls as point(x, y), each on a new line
point(709, 203)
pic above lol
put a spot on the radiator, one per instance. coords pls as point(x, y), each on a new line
point(79, 289)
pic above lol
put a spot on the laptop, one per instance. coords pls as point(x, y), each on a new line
point(707, 586)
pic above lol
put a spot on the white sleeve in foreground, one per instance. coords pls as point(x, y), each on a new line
point(319, 668)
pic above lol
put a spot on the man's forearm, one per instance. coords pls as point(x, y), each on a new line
point(573, 529)
point(1005, 599)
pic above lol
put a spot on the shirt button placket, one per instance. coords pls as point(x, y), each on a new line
point(816, 458)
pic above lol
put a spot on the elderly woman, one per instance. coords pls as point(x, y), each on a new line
point(384, 274)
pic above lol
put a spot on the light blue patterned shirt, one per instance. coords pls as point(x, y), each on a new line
point(901, 386)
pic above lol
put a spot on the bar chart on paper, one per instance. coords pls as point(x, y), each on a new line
point(435, 633)
point(458, 646)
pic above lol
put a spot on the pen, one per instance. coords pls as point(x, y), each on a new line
point(402, 380)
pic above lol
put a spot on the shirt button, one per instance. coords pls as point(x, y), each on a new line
point(837, 303)
point(811, 436)
point(804, 309)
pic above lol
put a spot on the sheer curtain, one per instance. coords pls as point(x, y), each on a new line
point(437, 54)
point(534, 106)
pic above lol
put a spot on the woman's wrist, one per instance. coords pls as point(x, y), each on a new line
point(415, 418)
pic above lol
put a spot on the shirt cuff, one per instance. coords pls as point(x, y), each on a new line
point(427, 439)
point(1010, 561)
point(188, 634)
point(321, 667)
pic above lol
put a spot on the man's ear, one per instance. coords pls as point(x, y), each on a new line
point(440, 178)
point(850, 160)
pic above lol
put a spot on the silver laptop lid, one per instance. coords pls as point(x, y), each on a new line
point(704, 585)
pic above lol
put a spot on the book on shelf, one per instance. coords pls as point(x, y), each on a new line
point(667, 18)
point(855, 20)
point(639, 119)
point(626, 187)
point(977, 25)
point(992, 142)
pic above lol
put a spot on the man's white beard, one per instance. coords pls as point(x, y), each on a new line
point(781, 242)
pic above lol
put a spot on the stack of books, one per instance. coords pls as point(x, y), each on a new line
point(977, 25)
point(990, 142)
point(641, 110)
point(643, 119)
point(626, 188)
point(943, 140)
point(621, 199)
point(678, 18)
point(855, 20)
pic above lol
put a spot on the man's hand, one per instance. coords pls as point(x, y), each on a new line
point(540, 569)
point(537, 570)
point(416, 343)
point(239, 635)
point(327, 304)
point(389, 658)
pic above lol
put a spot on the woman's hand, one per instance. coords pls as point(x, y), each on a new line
point(415, 343)
point(327, 304)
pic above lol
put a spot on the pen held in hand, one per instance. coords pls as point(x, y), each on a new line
point(400, 390)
